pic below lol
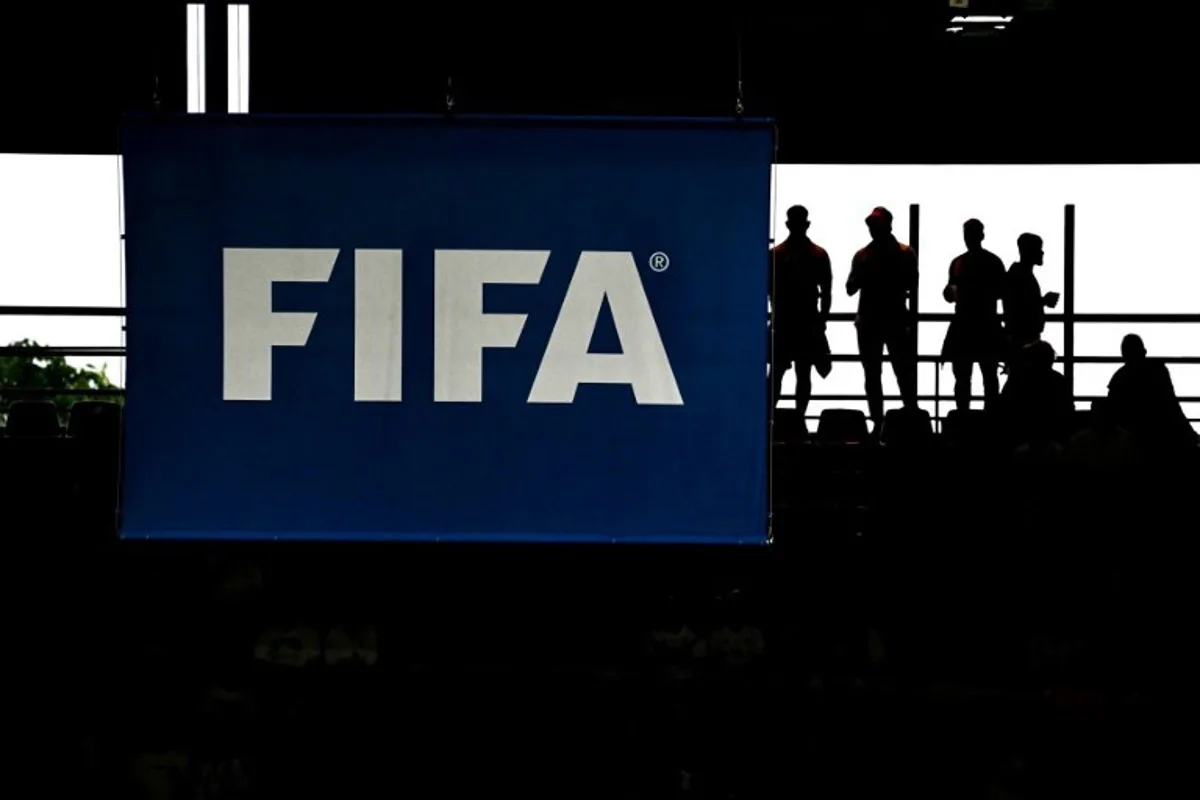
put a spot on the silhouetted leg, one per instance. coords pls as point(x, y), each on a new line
point(902, 350)
point(962, 384)
point(778, 370)
point(991, 382)
point(870, 350)
point(803, 388)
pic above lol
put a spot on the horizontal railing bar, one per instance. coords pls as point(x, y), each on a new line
point(1185, 319)
point(840, 316)
point(121, 352)
point(1176, 319)
point(1118, 359)
point(817, 418)
point(927, 398)
point(49, 351)
point(1114, 359)
point(930, 398)
point(41, 391)
point(62, 311)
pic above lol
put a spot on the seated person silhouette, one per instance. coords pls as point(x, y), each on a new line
point(1103, 447)
point(1142, 398)
point(1036, 405)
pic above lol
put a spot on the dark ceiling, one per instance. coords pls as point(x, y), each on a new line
point(847, 80)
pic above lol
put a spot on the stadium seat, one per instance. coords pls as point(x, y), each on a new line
point(967, 428)
point(94, 419)
point(789, 466)
point(789, 427)
point(32, 419)
point(1080, 420)
point(906, 428)
point(842, 426)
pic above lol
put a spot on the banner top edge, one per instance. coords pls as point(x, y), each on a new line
point(751, 123)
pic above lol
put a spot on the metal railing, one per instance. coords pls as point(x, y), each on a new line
point(1068, 318)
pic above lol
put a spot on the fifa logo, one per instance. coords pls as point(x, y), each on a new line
point(462, 331)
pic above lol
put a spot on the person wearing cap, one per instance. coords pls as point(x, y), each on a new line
point(801, 284)
point(1024, 304)
point(976, 336)
point(884, 275)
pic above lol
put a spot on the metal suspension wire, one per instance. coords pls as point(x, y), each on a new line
point(155, 97)
point(739, 106)
point(449, 48)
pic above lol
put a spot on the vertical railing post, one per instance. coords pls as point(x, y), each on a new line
point(914, 241)
point(937, 395)
point(1069, 297)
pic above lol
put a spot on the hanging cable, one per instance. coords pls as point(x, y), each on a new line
point(449, 48)
point(739, 106)
point(155, 97)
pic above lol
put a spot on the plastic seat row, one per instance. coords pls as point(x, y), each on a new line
point(849, 426)
point(843, 426)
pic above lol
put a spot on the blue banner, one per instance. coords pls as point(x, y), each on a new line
point(422, 329)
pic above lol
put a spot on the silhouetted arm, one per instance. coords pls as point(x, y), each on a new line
point(950, 293)
point(998, 277)
point(771, 278)
point(1008, 298)
point(825, 284)
point(854, 282)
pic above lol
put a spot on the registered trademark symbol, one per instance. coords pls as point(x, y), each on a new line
point(659, 262)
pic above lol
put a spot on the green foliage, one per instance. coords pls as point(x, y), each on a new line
point(49, 372)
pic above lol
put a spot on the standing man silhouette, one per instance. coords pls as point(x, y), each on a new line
point(976, 287)
point(885, 272)
point(1024, 304)
point(801, 277)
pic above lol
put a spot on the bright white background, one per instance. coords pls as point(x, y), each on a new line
point(60, 224)
point(61, 219)
point(1135, 249)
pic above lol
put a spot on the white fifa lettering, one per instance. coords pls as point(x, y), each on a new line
point(642, 362)
point(251, 328)
point(462, 331)
point(460, 328)
point(378, 325)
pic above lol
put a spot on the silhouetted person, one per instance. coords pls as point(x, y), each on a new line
point(1024, 304)
point(1143, 399)
point(1036, 405)
point(885, 272)
point(1104, 447)
point(976, 336)
point(801, 294)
